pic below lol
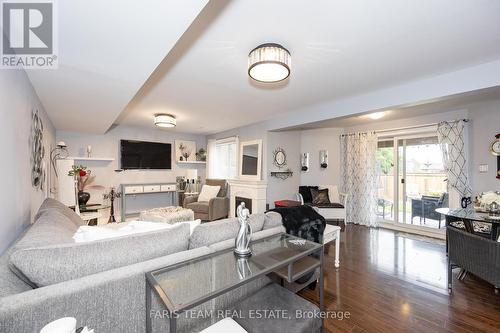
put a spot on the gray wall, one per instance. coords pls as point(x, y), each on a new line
point(248, 133)
point(312, 141)
point(19, 199)
point(279, 189)
point(289, 141)
point(485, 124)
point(108, 145)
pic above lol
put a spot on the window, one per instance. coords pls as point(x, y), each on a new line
point(223, 158)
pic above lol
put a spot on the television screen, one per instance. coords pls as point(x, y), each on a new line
point(145, 155)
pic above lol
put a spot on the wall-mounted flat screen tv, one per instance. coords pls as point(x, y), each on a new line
point(140, 155)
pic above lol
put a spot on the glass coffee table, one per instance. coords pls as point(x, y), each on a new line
point(188, 284)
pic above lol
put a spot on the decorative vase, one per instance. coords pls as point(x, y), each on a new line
point(83, 198)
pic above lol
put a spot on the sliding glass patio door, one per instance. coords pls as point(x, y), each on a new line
point(412, 181)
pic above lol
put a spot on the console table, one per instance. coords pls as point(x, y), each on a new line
point(217, 273)
point(155, 194)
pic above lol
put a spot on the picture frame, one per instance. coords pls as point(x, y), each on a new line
point(185, 151)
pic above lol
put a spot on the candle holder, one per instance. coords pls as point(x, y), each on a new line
point(112, 195)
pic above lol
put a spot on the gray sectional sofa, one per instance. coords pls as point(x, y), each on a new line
point(45, 275)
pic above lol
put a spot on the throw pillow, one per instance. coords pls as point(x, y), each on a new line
point(319, 196)
point(333, 192)
point(305, 191)
point(208, 192)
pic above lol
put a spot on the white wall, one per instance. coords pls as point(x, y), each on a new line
point(108, 145)
point(312, 141)
point(19, 199)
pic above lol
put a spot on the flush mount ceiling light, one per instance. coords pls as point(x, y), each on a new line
point(269, 63)
point(376, 115)
point(165, 120)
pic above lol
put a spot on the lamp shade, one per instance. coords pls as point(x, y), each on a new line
point(165, 120)
point(269, 63)
point(191, 174)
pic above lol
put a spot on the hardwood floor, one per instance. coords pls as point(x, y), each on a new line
point(391, 283)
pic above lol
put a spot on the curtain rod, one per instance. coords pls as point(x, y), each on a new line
point(228, 137)
point(411, 127)
point(419, 126)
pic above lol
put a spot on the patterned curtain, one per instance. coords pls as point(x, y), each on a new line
point(359, 176)
point(451, 138)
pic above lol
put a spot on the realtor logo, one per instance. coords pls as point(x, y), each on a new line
point(28, 37)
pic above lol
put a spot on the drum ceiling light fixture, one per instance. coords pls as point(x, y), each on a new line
point(269, 63)
point(165, 120)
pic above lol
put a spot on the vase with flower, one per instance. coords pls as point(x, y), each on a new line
point(83, 181)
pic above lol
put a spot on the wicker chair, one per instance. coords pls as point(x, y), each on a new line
point(475, 254)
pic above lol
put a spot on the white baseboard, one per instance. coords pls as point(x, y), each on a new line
point(434, 233)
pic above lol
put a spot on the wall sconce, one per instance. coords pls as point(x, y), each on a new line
point(304, 162)
point(323, 158)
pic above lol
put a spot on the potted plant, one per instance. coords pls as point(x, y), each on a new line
point(83, 181)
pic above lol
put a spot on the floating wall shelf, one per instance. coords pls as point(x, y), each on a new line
point(282, 174)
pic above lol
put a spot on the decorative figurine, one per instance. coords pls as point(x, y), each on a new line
point(465, 202)
point(242, 240)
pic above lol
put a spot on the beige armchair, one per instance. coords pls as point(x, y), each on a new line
point(216, 208)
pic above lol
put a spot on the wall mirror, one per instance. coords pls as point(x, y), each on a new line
point(251, 159)
point(279, 157)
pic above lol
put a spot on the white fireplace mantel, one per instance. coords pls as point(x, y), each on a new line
point(256, 190)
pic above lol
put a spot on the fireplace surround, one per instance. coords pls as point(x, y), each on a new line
point(252, 192)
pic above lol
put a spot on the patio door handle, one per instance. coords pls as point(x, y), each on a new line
point(402, 180)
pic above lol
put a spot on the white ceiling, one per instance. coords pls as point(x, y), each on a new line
point(338, 48)
point(107, 50)
point(451, 103)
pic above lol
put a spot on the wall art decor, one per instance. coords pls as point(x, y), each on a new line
point(185, 151)
point(37, 152)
